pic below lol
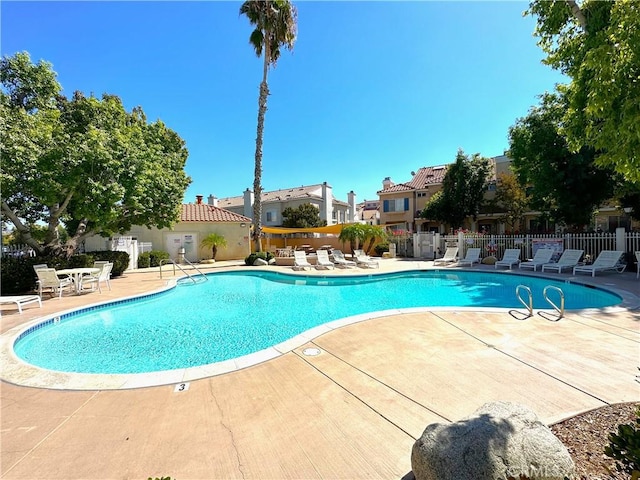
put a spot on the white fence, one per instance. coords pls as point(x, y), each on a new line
point(591, 243)
point(17, 251)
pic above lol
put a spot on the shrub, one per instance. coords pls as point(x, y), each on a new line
point(624, 447)
point(381, 248)
point(120, 260)
point(252, 258)
point(156, 256)
point(144, 260)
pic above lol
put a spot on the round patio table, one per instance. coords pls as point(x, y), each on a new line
point(76, 274)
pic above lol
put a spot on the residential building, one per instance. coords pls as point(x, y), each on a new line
point(368, 212)
point(275, 202)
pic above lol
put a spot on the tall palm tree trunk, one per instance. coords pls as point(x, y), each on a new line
point(257, 180)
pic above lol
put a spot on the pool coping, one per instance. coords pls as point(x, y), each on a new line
point(16, 371)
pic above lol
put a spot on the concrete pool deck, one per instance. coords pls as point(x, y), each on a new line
point(353, 411)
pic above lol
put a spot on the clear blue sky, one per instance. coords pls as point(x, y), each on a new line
point(372, 89)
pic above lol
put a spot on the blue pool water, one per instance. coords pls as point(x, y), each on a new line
point(237, 313)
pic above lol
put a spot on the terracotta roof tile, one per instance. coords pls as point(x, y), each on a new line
point(203, 212)
point(422, 178)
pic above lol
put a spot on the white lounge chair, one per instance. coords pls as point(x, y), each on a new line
point(323, 260)
point(340, 260)
point(510, 258)
point(104, 275)
point(48, 279)
point(567, 260)
point(450, 256)
point(300, 260)
point(638, 264)
point(472, 256)
point(21, 300)
point(607, 260)
point(364, 260)
point(542, 256)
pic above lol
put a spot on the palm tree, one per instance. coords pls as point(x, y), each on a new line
point(214, 240)
point(371, 233)
point(353, 233)
point(276, 26)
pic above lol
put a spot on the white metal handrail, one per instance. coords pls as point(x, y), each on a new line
point(529, 305)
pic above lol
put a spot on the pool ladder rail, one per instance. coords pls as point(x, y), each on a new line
point(191, 277)
point(528, 304)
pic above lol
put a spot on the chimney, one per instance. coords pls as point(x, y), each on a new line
point(352, 206)
point(326, 212)
point(198, 199)
point(248, 203)
point(213, 201)
point(387, 183)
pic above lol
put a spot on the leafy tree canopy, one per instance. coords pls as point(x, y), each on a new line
point(304, 216)
point(595, 43)
point(511, 198)
point(463, 189)
point(567, 186)
point(84, 163)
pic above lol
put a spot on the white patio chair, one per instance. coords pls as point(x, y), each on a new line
point(300, 260)
point(567, 260)
point(510, 258)
point(340, 260)
point(364, 260)
point(94, 279)
point(542, 257)
point(48, 279)
point(450, 256)
point(472, 256)
point(323, 260)
point(607, 260)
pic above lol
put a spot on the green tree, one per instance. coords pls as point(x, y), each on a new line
point(595, 43)
point(214, 241)
point(566, 186)
point(83, 163)
point(304, 216)
point(511, 198)
point(463, 189)
point(275, 24)
point(371, 234)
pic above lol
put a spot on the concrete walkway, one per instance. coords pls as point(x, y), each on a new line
point(352, 411)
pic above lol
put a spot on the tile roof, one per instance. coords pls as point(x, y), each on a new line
point(422, 178)
point(203, 212)
point(308, 191)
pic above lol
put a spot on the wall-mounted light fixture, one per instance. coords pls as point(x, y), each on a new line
point(242, 225)
point(628, 209)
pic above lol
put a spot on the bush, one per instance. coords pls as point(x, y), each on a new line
point(381, 248)
point(625, 447)
point(252, 258)
point(156, 256)
point(144, 260)
point(120, 260)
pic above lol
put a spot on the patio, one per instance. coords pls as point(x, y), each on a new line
point(353, 411)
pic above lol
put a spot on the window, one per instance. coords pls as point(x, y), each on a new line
point(422, 194)
point(271, 216)
point(396, 205)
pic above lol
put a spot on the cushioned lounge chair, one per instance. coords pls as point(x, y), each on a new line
point(340, 260)
point(21, 300)
point(472, 256)
point(323, 260)
point(364, 260)
point(607, 260)
point(450, 256)
point(541, 257)
point(567, 261)
point(510, 258)
point(300, 260)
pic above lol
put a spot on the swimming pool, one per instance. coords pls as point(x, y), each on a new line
point(238, 313)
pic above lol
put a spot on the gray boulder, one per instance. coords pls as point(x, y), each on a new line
point(500, 440)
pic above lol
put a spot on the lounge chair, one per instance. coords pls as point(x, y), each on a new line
point(450, 256)
point(567, 260)
point(300, 260)
point(104, 275)
point(542, 257)
point(341, 261)
point(48, 279)
point(21, 300)
point(364, 260)
point(607, 260)
point(472, 256)
point(510, 258)
point(323, 260)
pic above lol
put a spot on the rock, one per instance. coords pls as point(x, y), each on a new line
point(259, 262)
point(501, 440)
point(490, 260)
